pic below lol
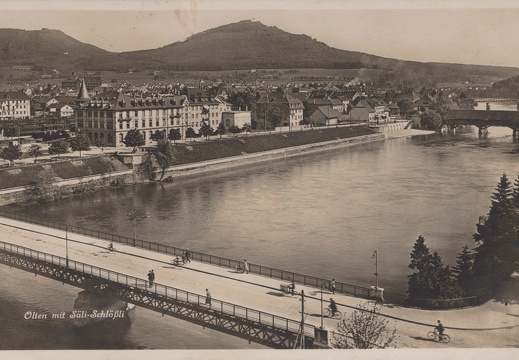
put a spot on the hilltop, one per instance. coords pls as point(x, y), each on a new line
point(43, 48)
point(242, 45)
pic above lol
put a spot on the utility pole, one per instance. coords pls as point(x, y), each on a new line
point(322, 285)
point(302, 319)
point(375, 255)
point(66, 245)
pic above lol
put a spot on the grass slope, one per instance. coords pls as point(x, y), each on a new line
point(217, 149)
point(68, 169)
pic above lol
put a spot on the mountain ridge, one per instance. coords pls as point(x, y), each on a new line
point(237, 46)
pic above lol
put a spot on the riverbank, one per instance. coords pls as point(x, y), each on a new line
point(78, 175)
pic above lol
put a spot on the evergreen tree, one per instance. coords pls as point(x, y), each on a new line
point(463, 268)
point(431, 279)
point(498, 245)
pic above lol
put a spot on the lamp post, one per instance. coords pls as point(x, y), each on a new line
point(375, 255)
point(322, 305)
point(66, 245)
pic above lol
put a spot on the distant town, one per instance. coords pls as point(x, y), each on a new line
point(105, 112)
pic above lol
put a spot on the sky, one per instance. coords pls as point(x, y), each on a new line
point(456, 31)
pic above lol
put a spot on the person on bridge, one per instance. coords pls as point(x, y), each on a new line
point(440, 329)
point(151, 277)
point(187, 255)
point(207, 297)
point(332, 286)
point(245, 266)
point(333, 307)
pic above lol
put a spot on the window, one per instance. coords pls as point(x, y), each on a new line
point(136, 113)
point(121, 137)
point(151, 122)
point(127, 124)
point(120, 126)
point(80, 113)
point(143, 123)
point(110, 115)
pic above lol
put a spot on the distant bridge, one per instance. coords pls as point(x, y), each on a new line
point(492, 100)
point(483, 119)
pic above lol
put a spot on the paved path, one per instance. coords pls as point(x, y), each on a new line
point(493, 324)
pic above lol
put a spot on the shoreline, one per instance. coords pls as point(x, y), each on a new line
point(194, 169)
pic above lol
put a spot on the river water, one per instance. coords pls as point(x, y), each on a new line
point(321, 214)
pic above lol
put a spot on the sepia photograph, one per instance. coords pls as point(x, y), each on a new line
point(221, 179)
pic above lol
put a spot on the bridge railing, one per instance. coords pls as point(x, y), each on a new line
point(169, 292)
point(308, 280)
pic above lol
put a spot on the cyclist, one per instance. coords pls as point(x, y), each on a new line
point(111, 247)
point(333, 307)
point(440, 329)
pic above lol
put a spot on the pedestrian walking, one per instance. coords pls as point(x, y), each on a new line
point(151, 277)
point(245, 266)
point(207, 297)
point(187, 256)
point(332, 286)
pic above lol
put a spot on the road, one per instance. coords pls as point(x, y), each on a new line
point(494, 324)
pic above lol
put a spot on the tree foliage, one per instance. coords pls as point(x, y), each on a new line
point(190, 133)
point(364, 329)
point(164, 155)
point(431, 279)
point(80, 143)
point(58, 147)
point(233, 129)
point(497, 239)
point(43, 188)
point(205, 130)
point(174, 134)
point(133, 139)
point(11, 152)
point(220, 130)
point(430, 119)
point(34, 151)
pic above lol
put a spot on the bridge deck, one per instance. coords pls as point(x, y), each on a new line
point(249, 290)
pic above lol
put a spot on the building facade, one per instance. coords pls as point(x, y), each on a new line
point(109, 116)
point(14, 106)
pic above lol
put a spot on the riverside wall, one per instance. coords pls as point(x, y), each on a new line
point(194, 169)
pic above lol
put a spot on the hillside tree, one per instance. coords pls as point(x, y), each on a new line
point(34, 151)
point(11, 153)
point(58, 147)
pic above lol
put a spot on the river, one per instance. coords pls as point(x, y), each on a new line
point(321, 214)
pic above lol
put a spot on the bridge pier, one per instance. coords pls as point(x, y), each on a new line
point(482, 130)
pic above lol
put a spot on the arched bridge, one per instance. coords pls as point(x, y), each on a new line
point(483, 119)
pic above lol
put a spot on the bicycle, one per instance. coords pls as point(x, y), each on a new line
point(435, 336)
point(328, 313)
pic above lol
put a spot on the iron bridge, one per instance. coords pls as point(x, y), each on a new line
point(253, 325)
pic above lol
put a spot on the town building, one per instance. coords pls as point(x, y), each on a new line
point(236, 118)
point(14, 106)
point(108, 116)
point(290, 107)
point(424, 103)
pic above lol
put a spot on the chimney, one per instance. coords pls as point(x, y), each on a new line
point(488, 106)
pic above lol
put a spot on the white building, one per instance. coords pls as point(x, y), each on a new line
point(14, 105)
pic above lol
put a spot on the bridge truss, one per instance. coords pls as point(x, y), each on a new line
point(250, 324)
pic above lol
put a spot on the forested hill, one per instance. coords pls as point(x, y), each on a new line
point(44, 48)
point(242, 45)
